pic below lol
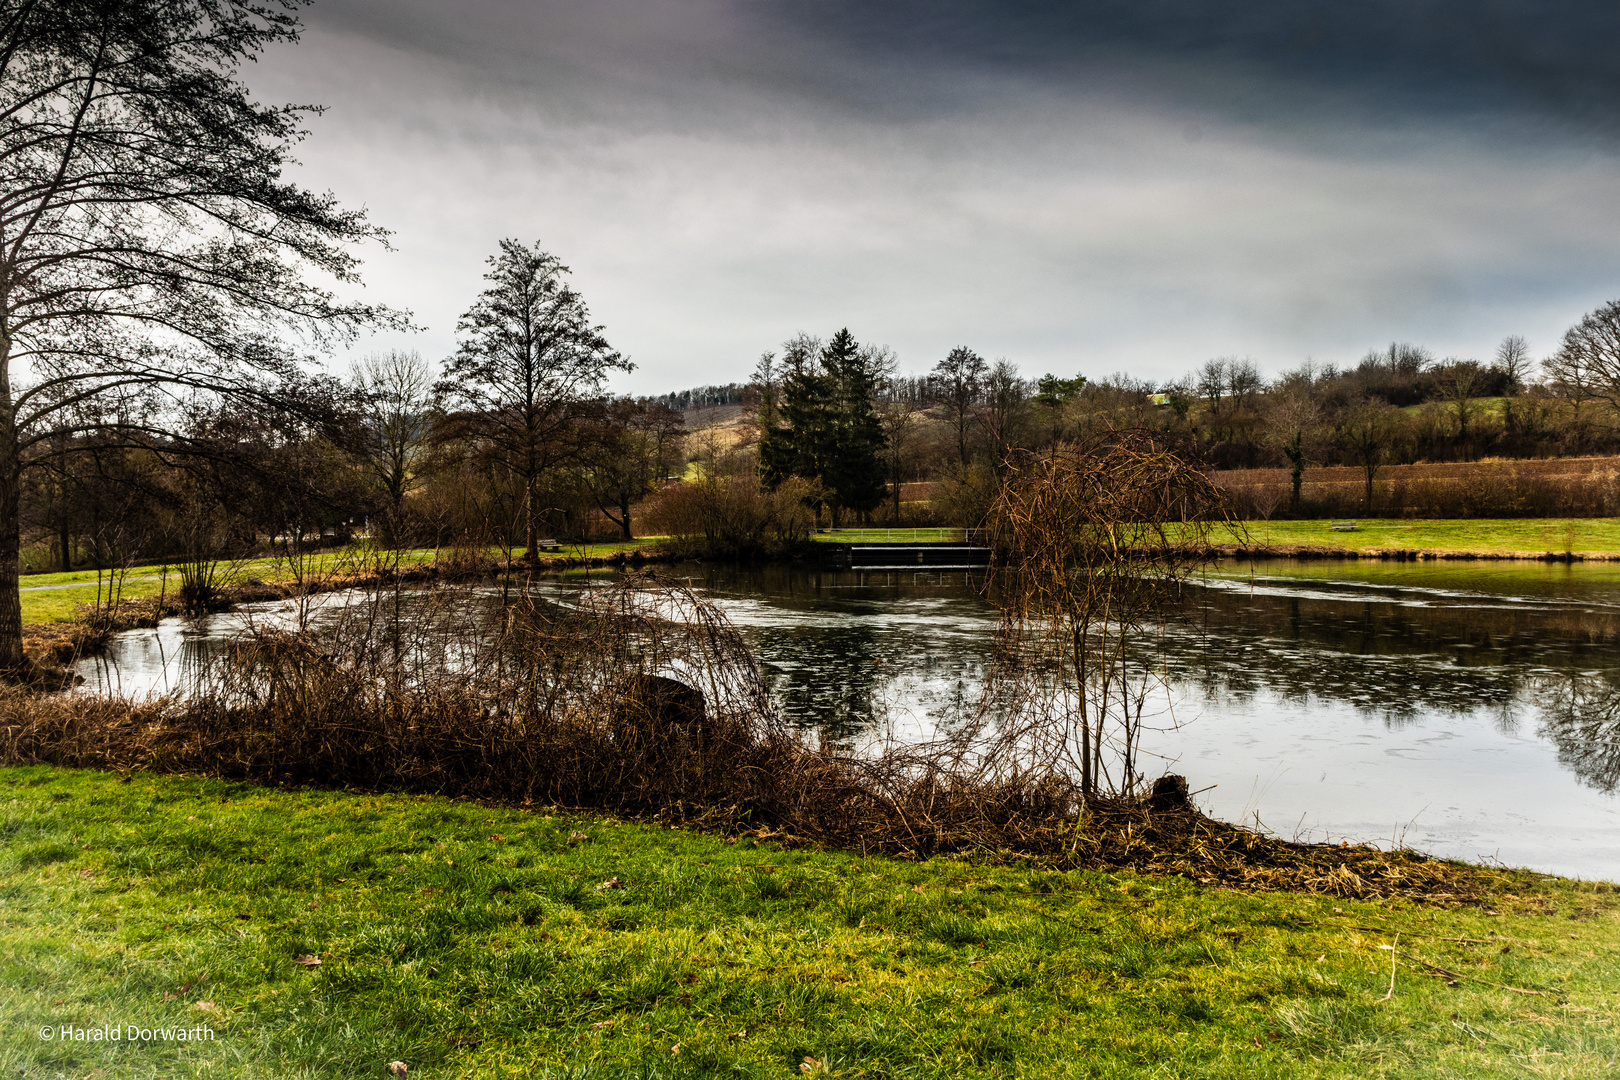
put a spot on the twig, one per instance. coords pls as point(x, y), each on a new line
point(1448, 973)
point(1390, 993)
point(1416, 933)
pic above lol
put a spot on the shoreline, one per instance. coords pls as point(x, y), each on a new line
point(1308, 552)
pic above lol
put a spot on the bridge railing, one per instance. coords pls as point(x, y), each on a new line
point(939, 535)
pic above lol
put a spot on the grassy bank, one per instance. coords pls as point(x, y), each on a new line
point(57, 597)
point(1500, 537)
point(468, 941)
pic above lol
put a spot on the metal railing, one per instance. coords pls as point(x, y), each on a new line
point(902, 536)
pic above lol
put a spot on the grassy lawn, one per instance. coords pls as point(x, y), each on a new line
point(477, 942)
point(56, 597)
point(1485, 535)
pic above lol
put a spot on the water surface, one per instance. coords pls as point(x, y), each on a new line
point(1467, 709)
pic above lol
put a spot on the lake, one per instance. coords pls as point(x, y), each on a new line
point(1468, 709)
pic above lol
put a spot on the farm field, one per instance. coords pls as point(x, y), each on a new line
point(469, 941)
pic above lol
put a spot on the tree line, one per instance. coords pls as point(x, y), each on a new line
point(954, 427)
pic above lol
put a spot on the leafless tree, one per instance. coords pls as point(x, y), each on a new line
point(150, 247)
point(959, 382)
point(529, 361)
point(1090, 540)
point(1367, 437)
point(1513, 357)
point(396, 391)
point(1006, 397)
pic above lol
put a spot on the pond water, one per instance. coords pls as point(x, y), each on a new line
point(1466, 709)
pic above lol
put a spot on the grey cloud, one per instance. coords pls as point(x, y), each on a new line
point(721, 174)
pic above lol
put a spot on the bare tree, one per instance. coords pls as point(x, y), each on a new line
point(396, 389)
point(1588, 359)
point(1460, 381)
point(959, 381)
point(149, 244)
point(1006, 397)
point(627, 453)
point(1367, 437)
point(1294, 415)
point(1513, 357)
point(1090, 540)
point(900, 419)
point(529, 360)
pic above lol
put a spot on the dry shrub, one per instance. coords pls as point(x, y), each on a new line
point(1090, 542)
point(639, 698)
point(734, 515)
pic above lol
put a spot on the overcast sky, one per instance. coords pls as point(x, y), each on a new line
point(1137, 185)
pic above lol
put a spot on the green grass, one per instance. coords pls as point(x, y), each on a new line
point(44, 601)
point(478, 942)
point(1486, 535)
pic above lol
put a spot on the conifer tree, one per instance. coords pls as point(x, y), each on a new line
point(819, 422)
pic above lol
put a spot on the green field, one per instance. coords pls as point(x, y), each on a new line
point(1590, 536)
point(467, 941)
point(57, 597)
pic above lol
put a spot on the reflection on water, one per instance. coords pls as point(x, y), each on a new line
point(1469, 709)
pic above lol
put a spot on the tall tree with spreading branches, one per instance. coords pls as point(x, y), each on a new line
point(529, 366)
point(151, 252)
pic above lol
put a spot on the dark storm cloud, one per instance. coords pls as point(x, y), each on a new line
point(1559, 59)
point(1086, 187)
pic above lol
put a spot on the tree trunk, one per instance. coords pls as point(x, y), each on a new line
point(624, 522)
point(11, 650)
point(532, 526)
point(1370, 470)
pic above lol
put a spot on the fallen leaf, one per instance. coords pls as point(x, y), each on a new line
point(397, 1068)
point(611, 883)
point(675, 1049)
point(314, 903)
point(497, 838)
point(575, 837)
point(743, 1034)
point(917, 888)
point(603, 1024)
point(308, 961)
point(86, 873)
point(206, 1006)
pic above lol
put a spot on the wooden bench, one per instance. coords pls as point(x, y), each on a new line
point(1343, 526)
point(549, 545)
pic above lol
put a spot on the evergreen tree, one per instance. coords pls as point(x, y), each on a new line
point(854, 469)
point(819, 421)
